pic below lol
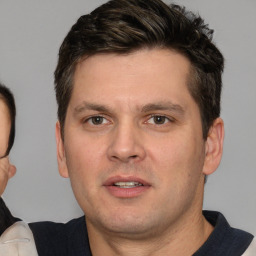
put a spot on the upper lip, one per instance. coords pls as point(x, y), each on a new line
point(112, 180)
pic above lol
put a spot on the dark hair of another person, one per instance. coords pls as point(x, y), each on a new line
point(122, 27)
point(7, 96)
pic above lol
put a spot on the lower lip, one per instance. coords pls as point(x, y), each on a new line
point(127, 192)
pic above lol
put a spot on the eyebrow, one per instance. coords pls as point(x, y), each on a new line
point(90, 106)
point(169, 106)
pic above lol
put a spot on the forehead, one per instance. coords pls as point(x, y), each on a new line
point(141, 75)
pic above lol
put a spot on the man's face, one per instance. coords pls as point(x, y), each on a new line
point(5, 127)
point(133, 144)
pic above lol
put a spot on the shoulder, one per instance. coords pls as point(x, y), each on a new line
point(53, 228)
point(58, 238)
point(224, 240)
point(224, 230)
point(18, 240)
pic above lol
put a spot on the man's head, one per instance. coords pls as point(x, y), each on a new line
point(138, 86)
point(7, 112)
point(123, 27)
point(7, 133)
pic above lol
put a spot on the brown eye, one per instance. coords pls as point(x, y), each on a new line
point(159, 119)
point(97, 120)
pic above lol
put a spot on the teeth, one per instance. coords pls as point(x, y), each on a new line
point(128, 184)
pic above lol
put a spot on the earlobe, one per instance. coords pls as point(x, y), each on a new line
point(61, 158)
point(214, 147)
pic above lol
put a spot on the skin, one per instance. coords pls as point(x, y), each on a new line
point(6, 169)
point(131, 117)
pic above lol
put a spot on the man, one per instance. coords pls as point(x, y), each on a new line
point(7, 133)
point(138, 88)
point(15, 236)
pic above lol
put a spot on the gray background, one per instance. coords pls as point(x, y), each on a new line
point(30, 35)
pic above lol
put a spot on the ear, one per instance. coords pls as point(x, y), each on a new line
point(12, 171)
point(7, 171)
point(61, 157)
point(214, 147)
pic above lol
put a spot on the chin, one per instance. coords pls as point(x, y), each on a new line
point(128, 225)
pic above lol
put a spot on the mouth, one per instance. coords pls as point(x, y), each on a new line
point(127, 184)
point(126, 187)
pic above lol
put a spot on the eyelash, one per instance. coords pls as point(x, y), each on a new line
point(166, 119)
point(90, 120)
point(103, 120)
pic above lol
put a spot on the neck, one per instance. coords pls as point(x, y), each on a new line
point(185, 238)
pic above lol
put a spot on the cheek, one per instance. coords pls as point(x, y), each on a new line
point(177, 159)
point(3, 181)
point(84, 158)
point(178, 166)
point(4, 137)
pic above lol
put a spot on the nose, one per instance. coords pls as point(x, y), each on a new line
point(126, 144)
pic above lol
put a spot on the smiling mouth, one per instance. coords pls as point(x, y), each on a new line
point(127, 184)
